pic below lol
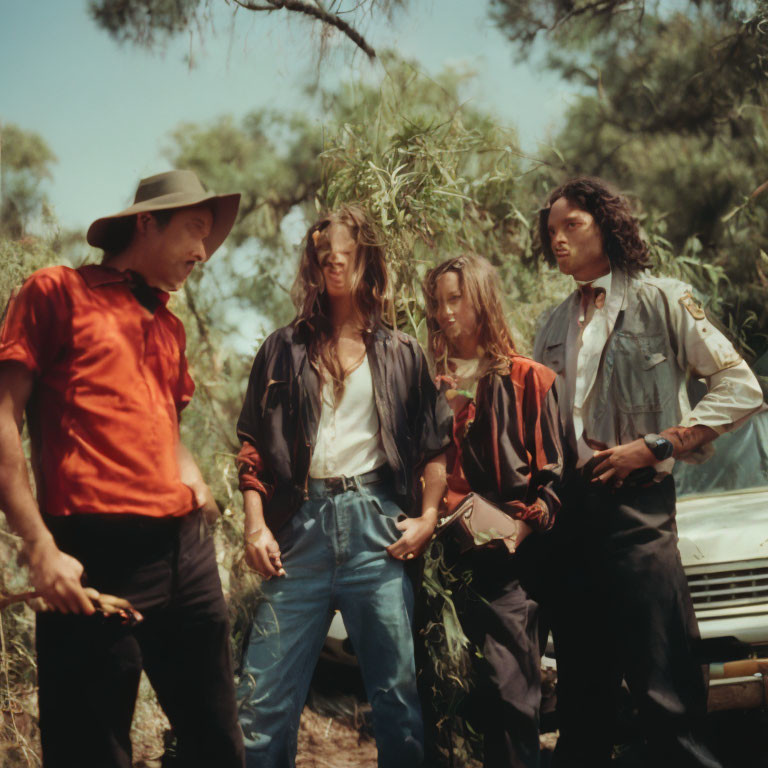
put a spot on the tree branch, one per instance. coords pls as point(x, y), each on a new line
point(332, 20)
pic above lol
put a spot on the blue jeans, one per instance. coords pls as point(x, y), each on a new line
point(334, 555)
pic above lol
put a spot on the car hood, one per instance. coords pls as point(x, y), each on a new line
point(723, 527)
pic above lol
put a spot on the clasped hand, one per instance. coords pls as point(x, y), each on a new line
point(612, 465)
point(262, 553)
point(417, 532)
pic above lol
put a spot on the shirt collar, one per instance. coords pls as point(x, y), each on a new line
point(604, 282)
point(99, 275)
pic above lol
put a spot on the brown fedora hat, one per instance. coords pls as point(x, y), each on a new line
point(172, 189)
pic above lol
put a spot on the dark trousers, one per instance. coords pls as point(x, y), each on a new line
point(497, 615)
point(89, 666)
point(500, 619)
point(620, 607)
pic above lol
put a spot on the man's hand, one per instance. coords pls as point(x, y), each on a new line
point(205, 502)
point(612, 465)
point(417, 531)
point(262, 553)
point(191, 476)
point(56, 576)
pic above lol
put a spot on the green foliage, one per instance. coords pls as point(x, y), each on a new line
point(526, 20)
point(440, 178)
point(674, 112)
point(448, 672)
point(25, 161)
point(437, 176)
point(145, 22)
point(18, 713)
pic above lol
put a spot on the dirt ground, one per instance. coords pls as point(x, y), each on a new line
point(324, 742)
point(329, 742)
point(335, 732)
point(332, 741)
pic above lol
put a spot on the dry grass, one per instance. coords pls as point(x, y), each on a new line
point(324, 742)
point(149, 725)
point(333, 742)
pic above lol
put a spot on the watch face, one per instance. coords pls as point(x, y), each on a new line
point(659, 446)
point(662, 449)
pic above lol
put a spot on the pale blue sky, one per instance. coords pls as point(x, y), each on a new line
point(107, 110)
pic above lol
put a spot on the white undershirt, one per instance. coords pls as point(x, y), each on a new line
point(348, 437)
point(586, 340)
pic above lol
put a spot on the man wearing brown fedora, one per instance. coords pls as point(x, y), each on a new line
point(98, 362)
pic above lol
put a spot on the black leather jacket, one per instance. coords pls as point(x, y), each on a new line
point(279, 421)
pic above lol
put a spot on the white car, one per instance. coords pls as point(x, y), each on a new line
point(722, 519)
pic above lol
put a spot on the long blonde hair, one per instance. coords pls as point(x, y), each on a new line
point(369, 287)
point(479, 282)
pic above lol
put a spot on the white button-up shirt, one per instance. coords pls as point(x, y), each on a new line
point(348, 436)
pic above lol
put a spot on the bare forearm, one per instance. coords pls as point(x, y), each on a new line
point(16, 498)
point(254, 512)
point(191, 476)
point(687, 439)
point(188, 469)
point(55, 575)
point(262, 552)
point(434, 487)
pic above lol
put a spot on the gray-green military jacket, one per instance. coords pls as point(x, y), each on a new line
point(651, 335)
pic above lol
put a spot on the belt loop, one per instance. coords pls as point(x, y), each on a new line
point(357, 483)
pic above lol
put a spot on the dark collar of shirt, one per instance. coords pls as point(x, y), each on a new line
point(96, 275)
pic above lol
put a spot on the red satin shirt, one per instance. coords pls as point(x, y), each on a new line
point(111, 378)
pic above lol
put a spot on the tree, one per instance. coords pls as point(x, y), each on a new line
point(151, 22)
point(673, 110)
point(25, 161)
point(438, 177)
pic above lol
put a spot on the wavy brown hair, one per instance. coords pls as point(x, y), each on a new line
point(622, 243)
point(369, 287)
point(479, 281)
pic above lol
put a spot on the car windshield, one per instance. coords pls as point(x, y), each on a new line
point(740, 461)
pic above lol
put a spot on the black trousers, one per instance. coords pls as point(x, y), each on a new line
point(500, 619)
point(619, 606)
point(89, 666)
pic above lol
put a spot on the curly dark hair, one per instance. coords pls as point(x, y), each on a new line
point(622, 243)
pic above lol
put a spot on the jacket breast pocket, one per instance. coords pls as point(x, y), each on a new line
point(642, 376)
point(274, 395)
point(553, 356)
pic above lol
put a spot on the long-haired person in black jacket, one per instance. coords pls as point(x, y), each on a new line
point(340, 418)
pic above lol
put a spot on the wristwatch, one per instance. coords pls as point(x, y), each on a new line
point(659, 446)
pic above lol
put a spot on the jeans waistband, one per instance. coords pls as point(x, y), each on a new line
point(331, 486)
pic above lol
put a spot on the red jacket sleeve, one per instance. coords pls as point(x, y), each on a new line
point(538, 423)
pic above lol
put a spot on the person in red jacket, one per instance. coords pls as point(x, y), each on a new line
point(98, 362)
point(507, 448)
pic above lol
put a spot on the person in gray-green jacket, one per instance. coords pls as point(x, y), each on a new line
point(623, 345)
